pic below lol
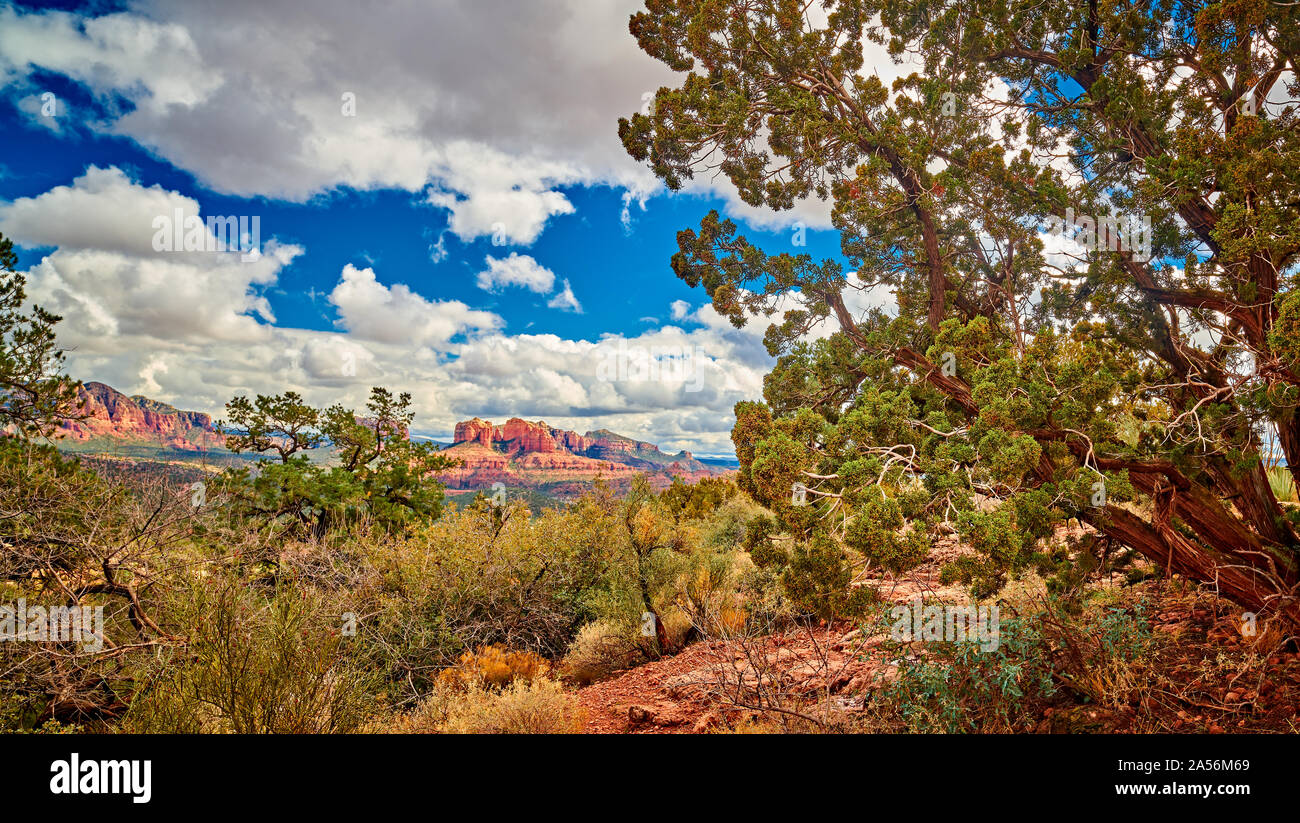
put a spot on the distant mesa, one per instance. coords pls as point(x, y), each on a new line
point(110, 415)
point(534, 455)
point(518, 453)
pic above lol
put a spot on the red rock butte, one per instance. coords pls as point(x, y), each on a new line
point(535, 455)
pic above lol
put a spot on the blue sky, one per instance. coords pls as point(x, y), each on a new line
point(619, 272)
point(471, 232)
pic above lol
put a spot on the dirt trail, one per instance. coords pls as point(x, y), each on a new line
point(682, 693)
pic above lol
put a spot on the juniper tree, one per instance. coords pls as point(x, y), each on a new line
point(35, 395)
point(1022, 379)
point(375, 468)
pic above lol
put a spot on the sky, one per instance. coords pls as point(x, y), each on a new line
point(436, 193)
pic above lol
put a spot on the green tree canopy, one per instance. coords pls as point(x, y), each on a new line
point(1023, 379)
point(374, 468)
point(35, 395)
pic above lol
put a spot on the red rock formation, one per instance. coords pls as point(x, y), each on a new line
point(518, 454)
point(572, 441)
point(528, 438)
point(524, 454)
point(110, 414)
point(476, 431)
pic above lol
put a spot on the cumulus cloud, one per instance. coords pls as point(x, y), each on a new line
point(489, 109)
point(516, 270)
point(192, 328)
point(565, 300)
point(112, 287)
point(102, 209)
point(493, 194)
point(288, 101)
point(373, 311)
point(157, 64)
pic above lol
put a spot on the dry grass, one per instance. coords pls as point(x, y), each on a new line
point(537, 707)
point(493, 667)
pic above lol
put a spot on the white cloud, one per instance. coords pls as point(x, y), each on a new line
point(192, 328)
point(565, 300)
point(493, 194)
point(488, 108)
point(102, 209)
point(516, 270)
point(373, 311)
point(44, 110)
point(112, 287)
point(156, 64)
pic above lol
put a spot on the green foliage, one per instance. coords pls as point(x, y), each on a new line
point(817, 581)
point(600, 648)
point(1041, 658)
point(1283, 484)
point(34, 394)
point(696, 500)
point(254, 665)
point(1007, 392)
point(377, 472)
point(765, 548)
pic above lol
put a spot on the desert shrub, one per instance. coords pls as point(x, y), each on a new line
point(707, 593)
point(679, 629)
point(817, 580)
point(406, 640)
point(479, 577)
point(765, 600)
point(70, 537)
point(539, 706)
point(751, 725)
point(503, 577)
point(799, 577)
point(1040, 658)
point(726, 528)
point(1283, 485)
point(601, 648)
point(493, 667)
point(697, 500)
point(254, 663)
point(764, 550)
point(16, 718)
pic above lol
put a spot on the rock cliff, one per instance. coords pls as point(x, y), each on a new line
point(520, 453)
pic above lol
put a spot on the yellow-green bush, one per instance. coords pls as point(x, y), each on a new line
point(540, 706)
point(601, 648)
point(254, 664)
